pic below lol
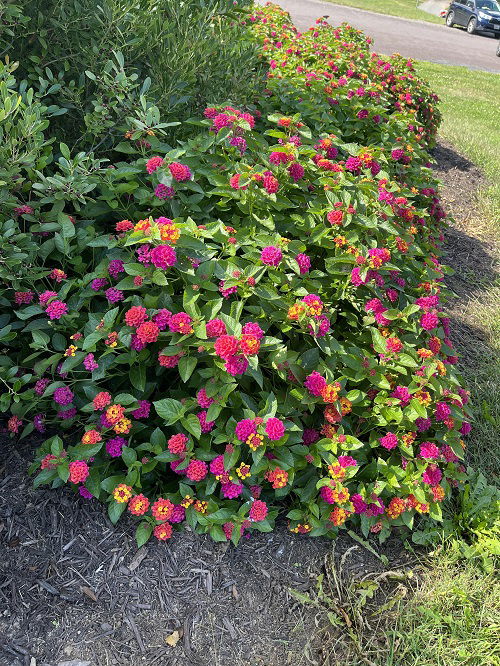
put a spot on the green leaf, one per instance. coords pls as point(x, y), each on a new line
point(72, 361)
point(236, 535)
point(355, 396)
point(135, 269)
point(102, 241)
point(217, 533)
point(191, 517)
point(28, 312)
point(295, 514)
point(59, 342)
point(407, 519)
point(91, 340)
point(85, 451)
point(158, 438)
point(192, 424)
point(124, 399)
point(159, 278)
point(381, 381)
point(111, 482)
point(42, 365)
point(221, 515)
point(435, 511)
point(115, 510)
point(310, 359)
point(63, 471)
point(123, 146)
point(418, 408)
point(230, 459)
point(67, 227)
point(257, 375)
point(40, 338)
point(379, 341)
point(56, 445)
point(143, 533)
point(129, 456)
point(45, 476)
point(93, 483)
point(211, 308)
point(169, 410)
point(109, 317)
point(407, 361)
point(213, 411)
point(137, 376)
point(271, 406)
point(105, 362)
point(392, 414)
point(64, 151)
point(186, 366)
point(165, 456)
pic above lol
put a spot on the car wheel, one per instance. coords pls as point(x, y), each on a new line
point(449, 19)
point(471, 25)
point(498, 50)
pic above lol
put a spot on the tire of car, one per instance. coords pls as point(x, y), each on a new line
point(471, 25)
point(498, 50)
point(449, 19)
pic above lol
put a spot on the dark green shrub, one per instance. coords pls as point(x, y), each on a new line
point(191, 52)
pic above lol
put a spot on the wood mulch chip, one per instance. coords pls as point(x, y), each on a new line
point(75, 591)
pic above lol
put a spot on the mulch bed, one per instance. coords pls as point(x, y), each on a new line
point(469, 250)
point(74, 590)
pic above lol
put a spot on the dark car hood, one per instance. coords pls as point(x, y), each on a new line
point(490, 12)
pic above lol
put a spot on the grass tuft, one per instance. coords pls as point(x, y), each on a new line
point(452, 619)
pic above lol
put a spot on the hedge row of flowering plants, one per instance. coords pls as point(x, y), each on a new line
point(249, 323)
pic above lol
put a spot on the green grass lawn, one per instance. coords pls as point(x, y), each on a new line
point(403, 8)
point(470, 121)
point(452, 618)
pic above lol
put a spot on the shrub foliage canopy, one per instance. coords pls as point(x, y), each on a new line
point(249, 320)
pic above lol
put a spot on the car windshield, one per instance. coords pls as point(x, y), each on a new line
point(488, 4)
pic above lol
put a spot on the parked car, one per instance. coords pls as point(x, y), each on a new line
point(475, 15)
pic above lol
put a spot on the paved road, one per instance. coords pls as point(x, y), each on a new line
point(415, 39)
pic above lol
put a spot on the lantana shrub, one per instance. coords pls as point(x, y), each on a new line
point(250, 323)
